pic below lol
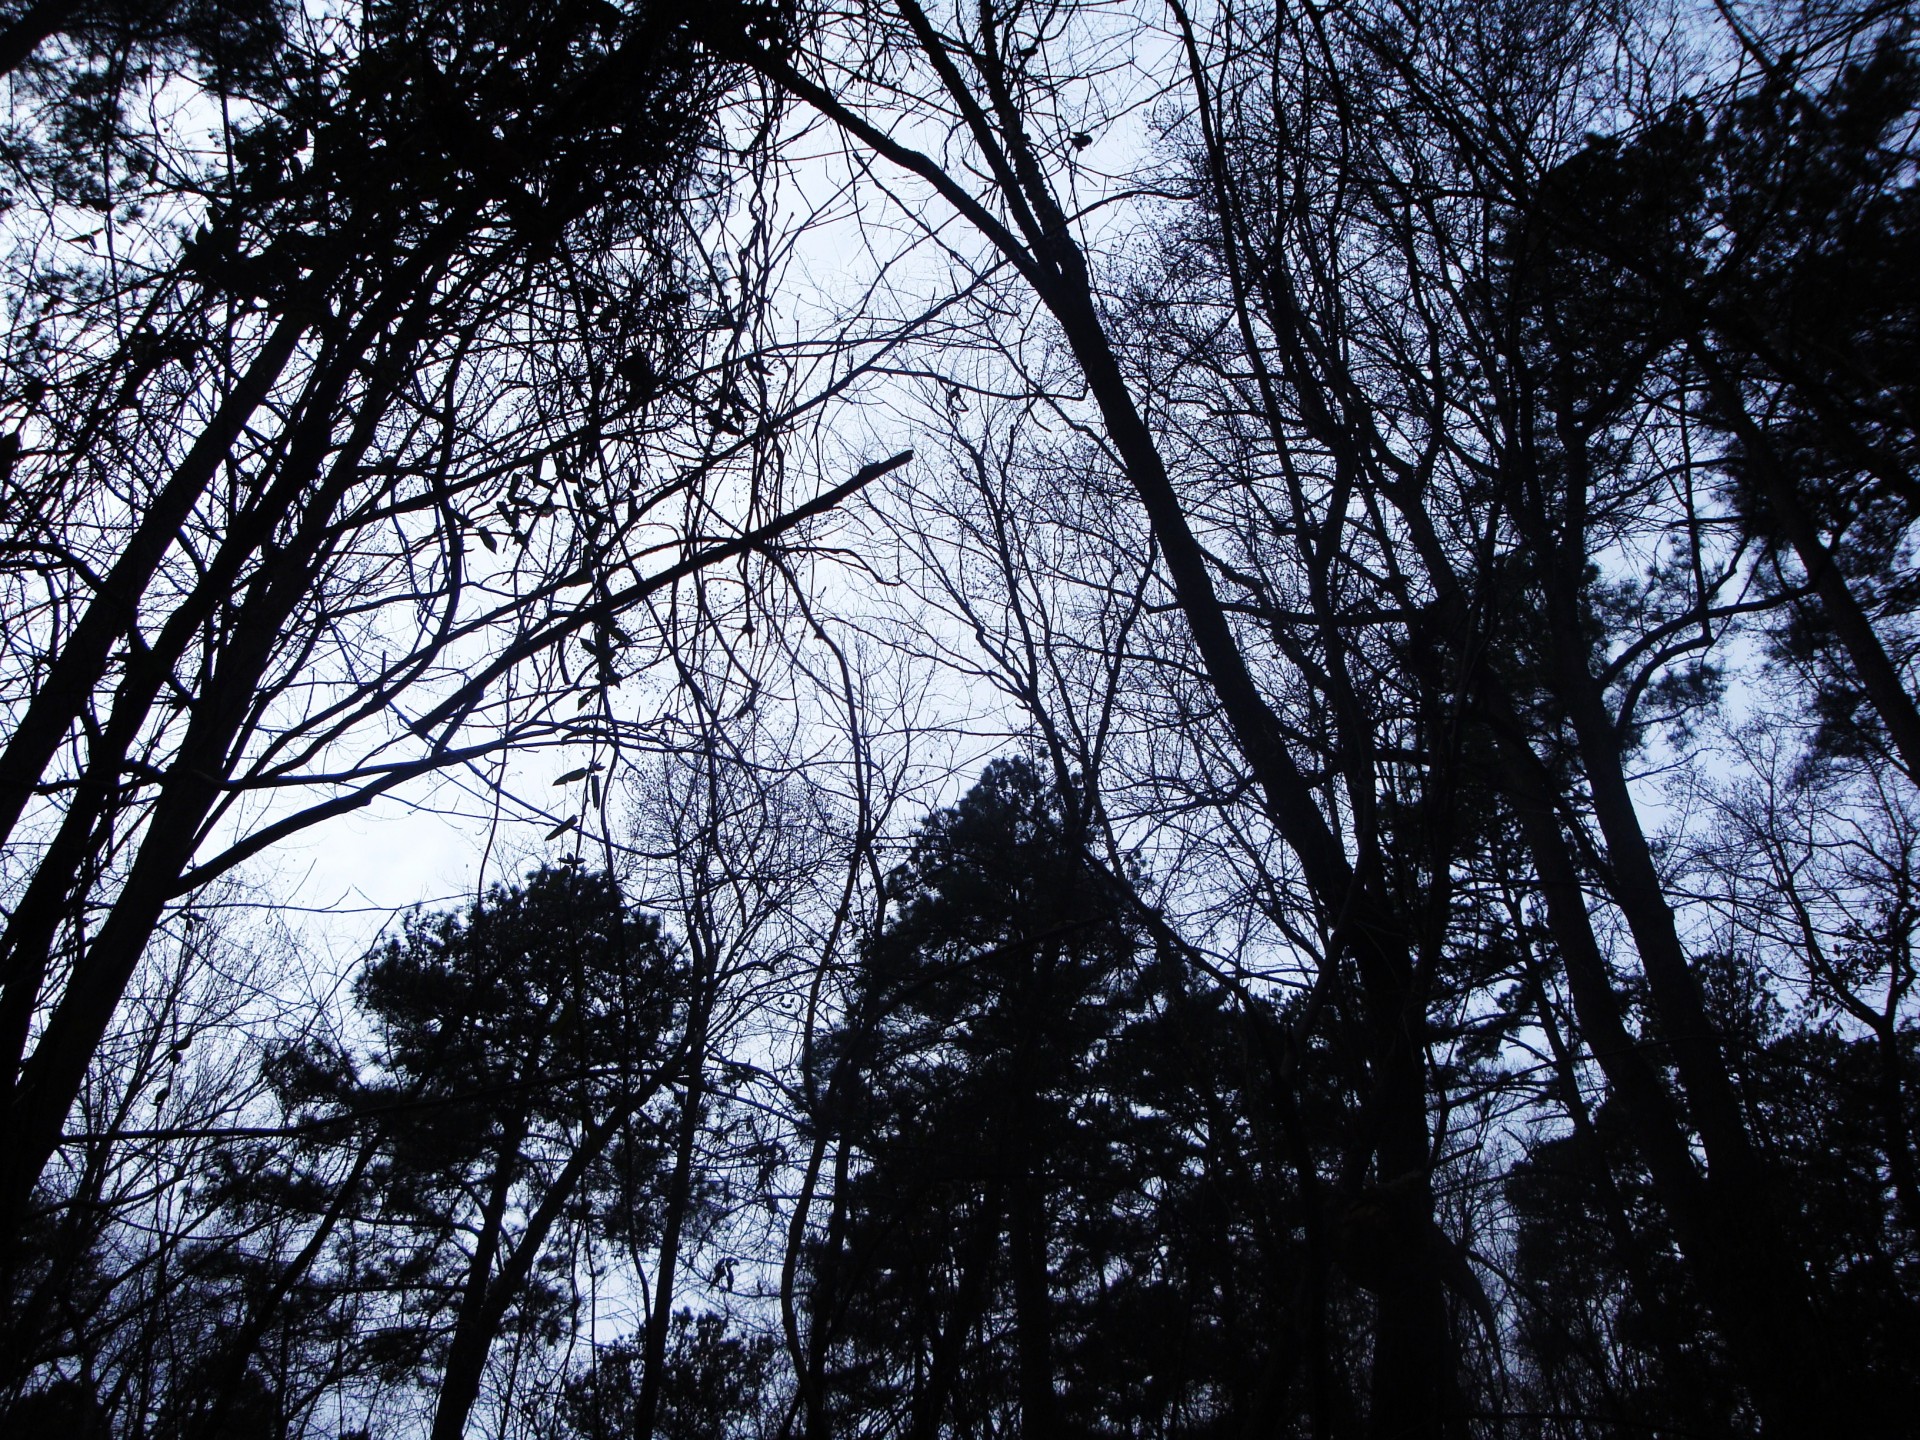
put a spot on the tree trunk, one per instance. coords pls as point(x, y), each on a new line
point(472, 1334)
point(969, 1299)
point(1881, 679)
point(473, 1339)
point(1763, 1314)
point(1890, 1095)
point(51, 1079)
point(83, 656)
point(679, 1196)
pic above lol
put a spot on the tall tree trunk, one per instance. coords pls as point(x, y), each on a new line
point(1879, 677)
point(82, 657)
point(1032, 1309)
point(64, 871)
point(665, 1270)
point(1733, 1247)
point(1890, 1098)
point(232, 1369)
point(51, 1079)
point(1763, 1313)
point(1414, 1375)
point(484, 1310)
point(472, 1334)
point(1027, 1208)
point(970, 1296)
point(1414, 1394)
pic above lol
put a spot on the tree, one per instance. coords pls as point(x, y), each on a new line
point(1767, 231)
point(1043, 1144)
point(441, 295)
point(976, 1009)
point(212, 33)
point(517, 1048)
point(716, 1386)
point(1424, 486)
point(1395, 466)
point(977, 87)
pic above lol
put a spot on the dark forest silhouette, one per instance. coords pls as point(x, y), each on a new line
point(1259, 774)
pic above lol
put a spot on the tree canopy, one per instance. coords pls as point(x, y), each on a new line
point(1161, 720)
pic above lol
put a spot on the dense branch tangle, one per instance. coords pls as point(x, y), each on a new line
point(406, 427)
point(1391, 471)
point(1331, 1017)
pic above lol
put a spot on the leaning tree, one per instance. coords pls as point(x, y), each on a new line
point(349, 457)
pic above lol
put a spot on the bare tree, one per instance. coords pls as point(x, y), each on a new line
point(360, 483)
